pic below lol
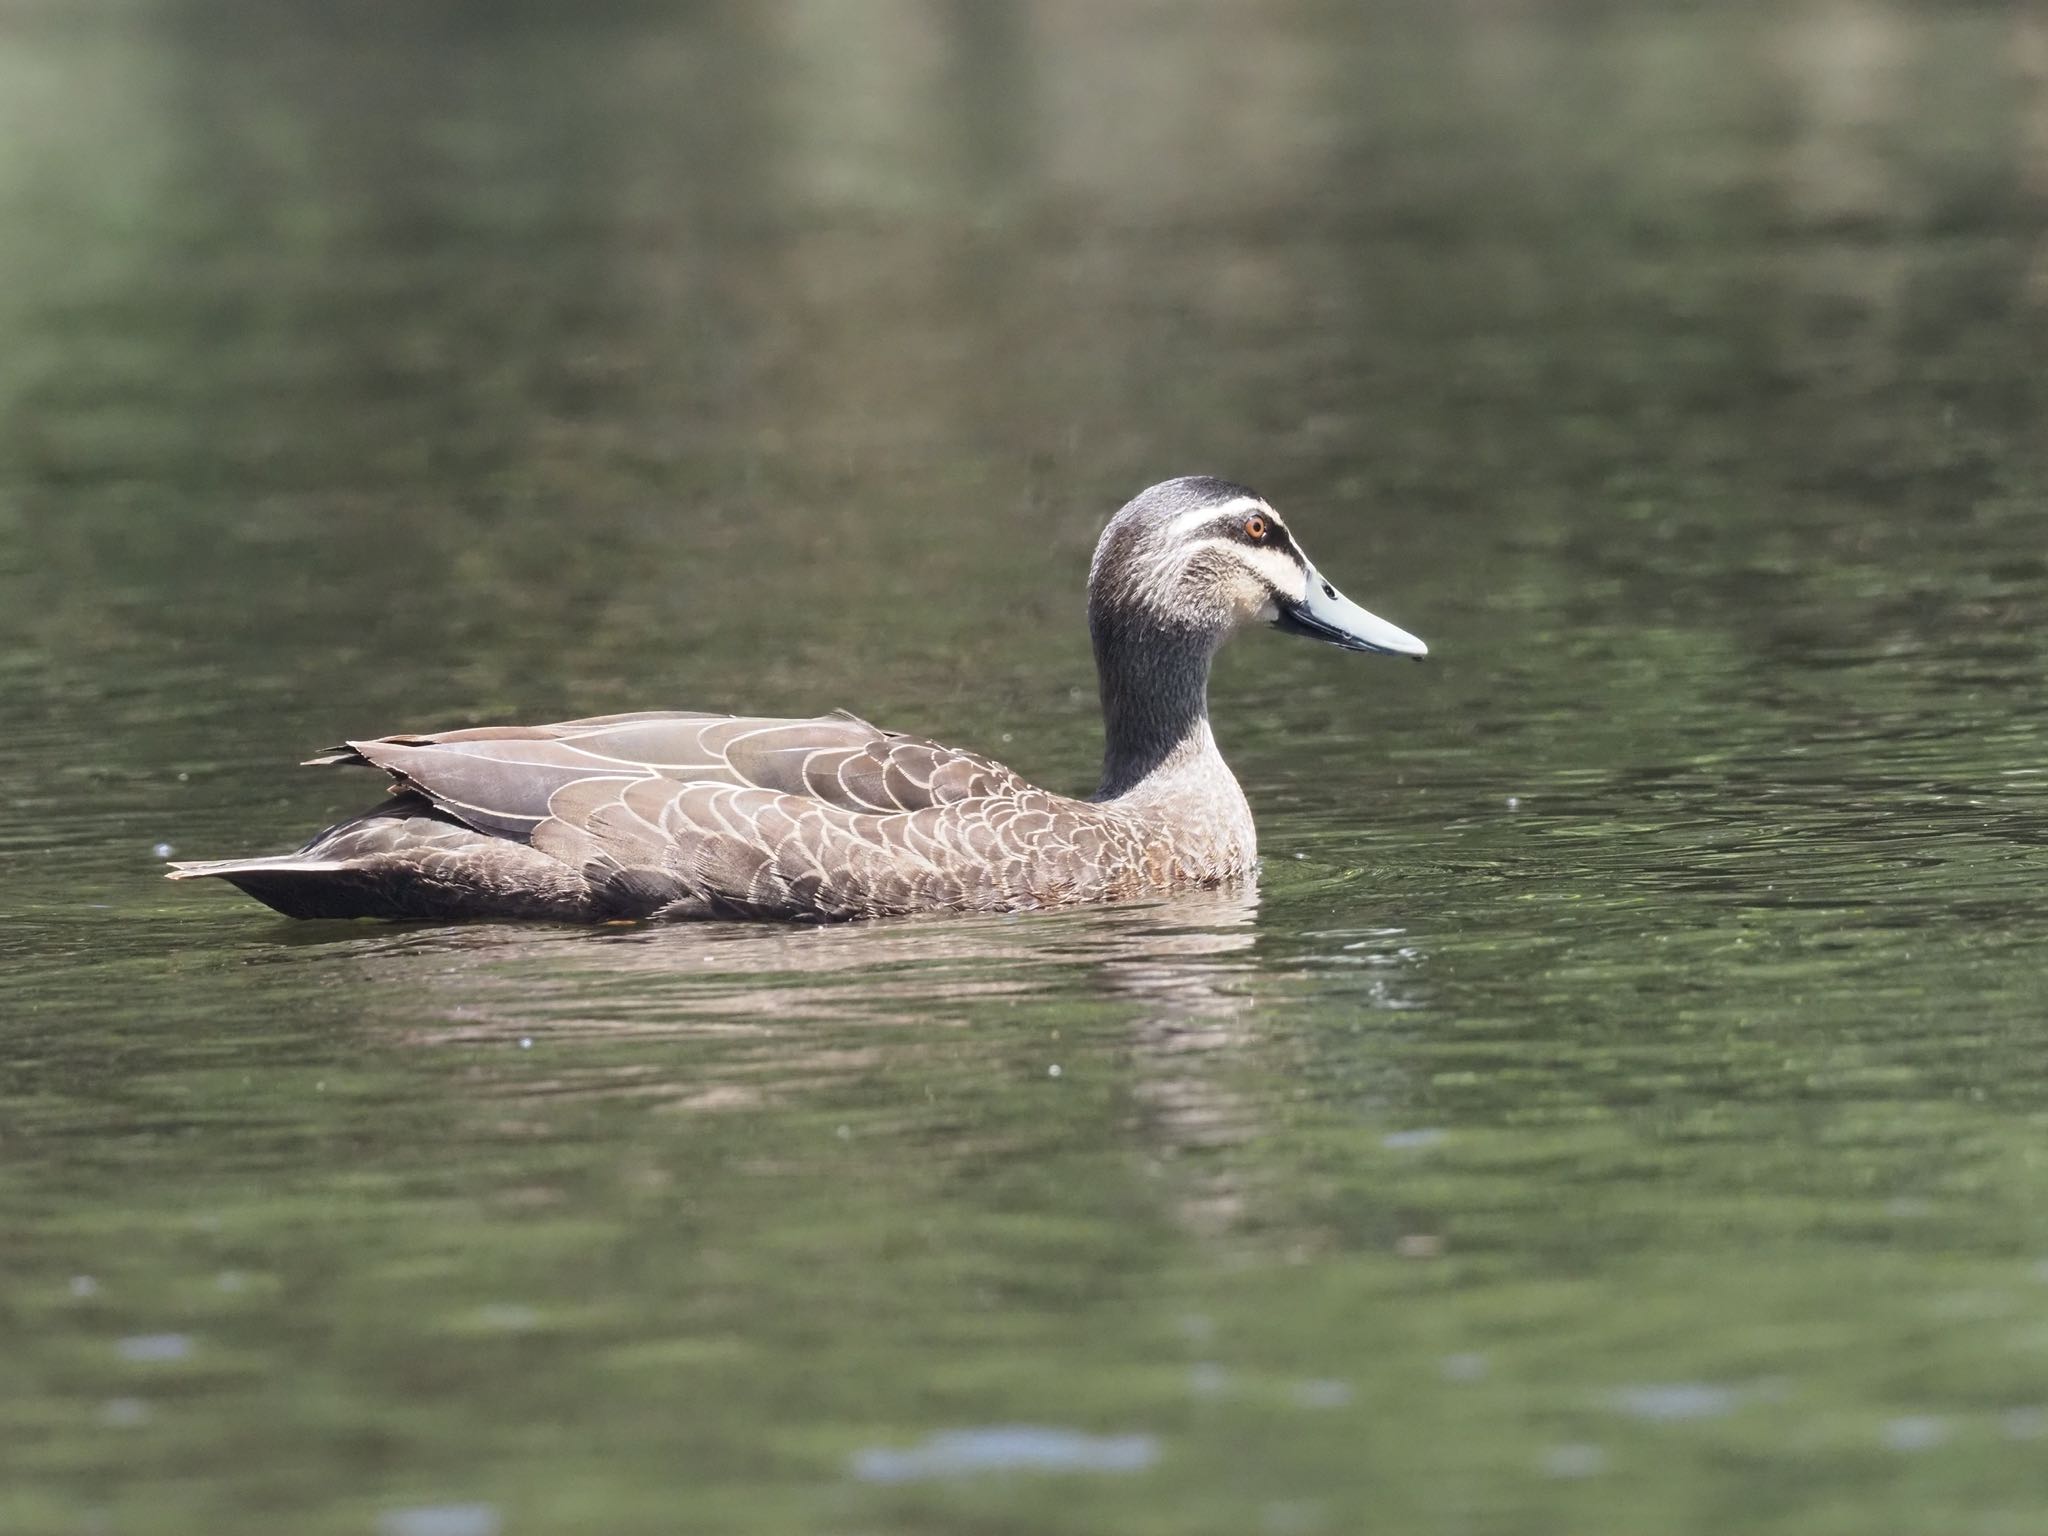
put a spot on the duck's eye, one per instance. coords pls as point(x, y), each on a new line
point(1255, 527)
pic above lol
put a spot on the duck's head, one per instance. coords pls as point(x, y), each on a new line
point(1202, 556)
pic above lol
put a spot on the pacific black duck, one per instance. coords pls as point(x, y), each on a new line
point(680, 815)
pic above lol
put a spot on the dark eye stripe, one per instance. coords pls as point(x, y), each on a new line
point(1276, 536)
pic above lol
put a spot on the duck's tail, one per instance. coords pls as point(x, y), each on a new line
point(291, 883)
point(200, 869)
point(405, 860)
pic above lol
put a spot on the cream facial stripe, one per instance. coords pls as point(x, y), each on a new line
point(1280, 569)
point(1202, 517)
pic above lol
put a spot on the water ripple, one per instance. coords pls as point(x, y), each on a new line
point(1006, 1448)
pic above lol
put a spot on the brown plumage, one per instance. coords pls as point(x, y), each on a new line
point(677, 815)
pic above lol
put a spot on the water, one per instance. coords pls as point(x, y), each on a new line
point(1617, 1108)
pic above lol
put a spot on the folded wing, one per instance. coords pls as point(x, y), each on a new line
point(503, 779)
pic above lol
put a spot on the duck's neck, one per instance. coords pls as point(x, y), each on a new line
point(1154, 677)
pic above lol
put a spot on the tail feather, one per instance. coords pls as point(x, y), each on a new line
point(225, 869)
point(297, 886)
point(404, 861)
point(337, 757)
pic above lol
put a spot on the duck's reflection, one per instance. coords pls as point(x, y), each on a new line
point(1175, 998)
point(1180, 957)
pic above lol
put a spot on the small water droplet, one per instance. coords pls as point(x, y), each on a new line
point(507, 1317)
point(1322, 1394)
point(1464, 1367)
point(1005, 1448)
point(526, 1042)
point(441, 1520)
point(1914, 1432)
point(1514, 802)
point(1574, 1461)
point(154, 1348)
point(1053, 1070)
point(1671, 1402)
point(1413, 1141)
point(844, 1133)
point(163, 850)
point(124, 1412)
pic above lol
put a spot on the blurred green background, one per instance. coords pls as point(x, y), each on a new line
point(1620, 1106)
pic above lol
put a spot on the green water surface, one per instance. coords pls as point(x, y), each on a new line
point(1620, 1107)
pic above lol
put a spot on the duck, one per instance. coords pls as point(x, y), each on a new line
point(664, 815)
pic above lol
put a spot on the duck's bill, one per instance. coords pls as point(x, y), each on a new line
point(1328, 615)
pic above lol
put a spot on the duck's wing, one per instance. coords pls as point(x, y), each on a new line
point(501, 779)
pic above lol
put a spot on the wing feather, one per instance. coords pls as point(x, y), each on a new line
point(502, 779)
